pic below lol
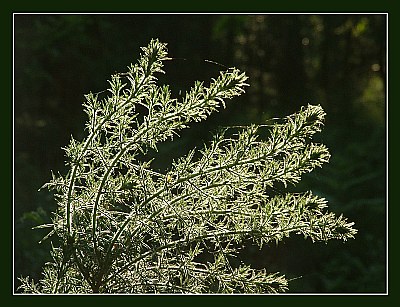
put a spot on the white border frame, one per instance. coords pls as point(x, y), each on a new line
point(230, 13)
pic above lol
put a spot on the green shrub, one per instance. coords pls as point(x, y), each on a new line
point(122, 227)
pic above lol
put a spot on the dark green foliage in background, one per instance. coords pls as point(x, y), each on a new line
point(335, 60)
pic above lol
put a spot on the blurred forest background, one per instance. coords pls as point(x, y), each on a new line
point(337, 61)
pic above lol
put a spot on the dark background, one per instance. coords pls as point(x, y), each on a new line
point(338, 61)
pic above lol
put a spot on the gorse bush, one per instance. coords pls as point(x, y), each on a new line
point(122, 227)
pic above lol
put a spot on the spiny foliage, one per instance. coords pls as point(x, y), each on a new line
point(122, 227)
